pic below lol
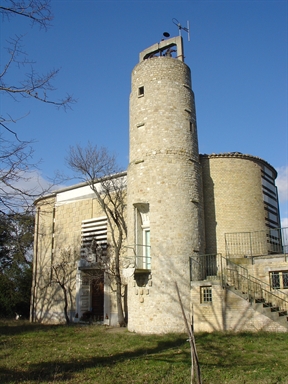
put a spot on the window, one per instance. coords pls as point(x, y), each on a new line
point(279, 280)
point(146, 244)
point(206, 294)
point(141, 91)
point(270, 198)
point(142, 236)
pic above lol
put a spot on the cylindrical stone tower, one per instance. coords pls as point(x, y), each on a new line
point(164, 203)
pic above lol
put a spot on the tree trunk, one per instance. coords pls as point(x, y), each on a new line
point(65, 304)
point(121, 319)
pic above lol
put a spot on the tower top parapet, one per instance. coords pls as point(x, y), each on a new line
point(164, 48)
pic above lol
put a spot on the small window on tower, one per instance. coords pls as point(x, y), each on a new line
point(141, 91)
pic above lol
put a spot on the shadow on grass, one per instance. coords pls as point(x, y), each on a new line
point(256, 357)
point(13, 327)
point(250, 357)
point(61, 371)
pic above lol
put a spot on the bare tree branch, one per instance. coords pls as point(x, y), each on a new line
point(37, 11)
point(33, 85)
point(16, 157)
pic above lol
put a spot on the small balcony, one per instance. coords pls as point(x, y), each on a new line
point(140, 257)
point(205, 267)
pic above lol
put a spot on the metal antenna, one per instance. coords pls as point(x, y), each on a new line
point(176, 22)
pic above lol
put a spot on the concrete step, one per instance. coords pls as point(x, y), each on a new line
point(266, 309)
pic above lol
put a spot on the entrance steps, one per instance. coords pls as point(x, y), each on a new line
point(266, 308)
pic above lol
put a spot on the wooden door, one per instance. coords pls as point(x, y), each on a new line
point(97, 298)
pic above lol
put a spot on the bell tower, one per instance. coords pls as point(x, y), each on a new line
point(164, 202)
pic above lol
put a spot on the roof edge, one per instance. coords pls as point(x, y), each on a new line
point(79, 185)
point(239, 155)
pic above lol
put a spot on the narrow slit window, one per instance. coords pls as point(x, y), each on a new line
point(141, 91)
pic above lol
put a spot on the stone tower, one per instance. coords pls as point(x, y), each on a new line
point(164, 203)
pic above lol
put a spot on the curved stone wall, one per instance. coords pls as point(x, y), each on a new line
point(233, 196)
point(164, 173)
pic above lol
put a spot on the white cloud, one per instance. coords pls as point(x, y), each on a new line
point(24, 191)
point(284, 223)
point(282, 183)
point(34, 183)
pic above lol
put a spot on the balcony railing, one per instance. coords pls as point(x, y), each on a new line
point(139, 256)
point(269, 241)
point(203, 267)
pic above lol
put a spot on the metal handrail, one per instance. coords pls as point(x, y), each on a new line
point(234, 275)
point(255, 290)
point(268, 285)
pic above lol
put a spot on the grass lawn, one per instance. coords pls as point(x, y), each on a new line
point(33, 353)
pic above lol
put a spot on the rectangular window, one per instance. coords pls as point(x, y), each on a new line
point(142, 236)
point(146, 243)
point(285, 280)
point(279, 280)
point(206, 294)
point(141, 91)
point(275, 280)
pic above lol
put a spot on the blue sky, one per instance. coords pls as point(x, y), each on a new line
point(237, 55)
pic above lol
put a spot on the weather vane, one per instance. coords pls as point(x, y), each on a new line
point(176, 22)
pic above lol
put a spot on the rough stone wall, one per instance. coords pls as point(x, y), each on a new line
point(42, 259)
point(164, 172)
point(228, 312)
point(233, 198)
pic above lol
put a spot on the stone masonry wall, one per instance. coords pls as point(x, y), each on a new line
point(164, 172)
point(59, 228)
point(233, 198)
point(227, 312)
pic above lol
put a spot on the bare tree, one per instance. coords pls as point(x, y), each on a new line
point(99, 169)
point(16, 154)
point(63, 272)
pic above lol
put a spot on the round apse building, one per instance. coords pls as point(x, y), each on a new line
point(241, 205)
point(164, 198)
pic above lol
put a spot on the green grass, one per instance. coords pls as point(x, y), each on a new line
point(33, 353)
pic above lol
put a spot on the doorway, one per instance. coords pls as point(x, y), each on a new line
point(97, 297)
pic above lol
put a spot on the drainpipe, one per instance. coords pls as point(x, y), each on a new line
point(35, 267)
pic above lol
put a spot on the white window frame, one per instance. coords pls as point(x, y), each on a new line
point(206, 294)
point(146, 249)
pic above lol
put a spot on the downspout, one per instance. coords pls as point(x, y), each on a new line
point(52, 243)
point(35, 267)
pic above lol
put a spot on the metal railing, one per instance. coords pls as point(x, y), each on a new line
point(236, 276)
point(255, 291)
point(203, 267)
point(140, 258)
point(268, 241)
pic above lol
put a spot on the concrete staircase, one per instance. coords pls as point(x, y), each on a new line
point(273, 304)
